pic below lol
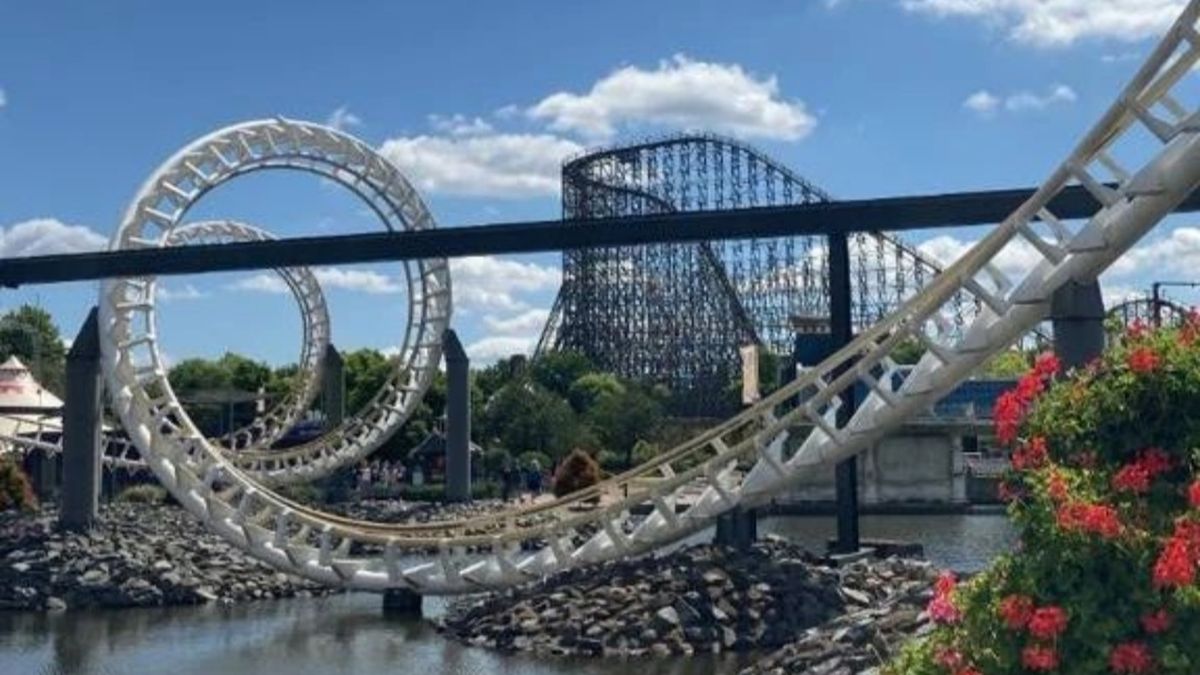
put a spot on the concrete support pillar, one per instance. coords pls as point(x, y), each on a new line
point(81, 430)
point(458, 420)
point(45, 475)
point(841, 329)
point(958, 472)
point(1077, 312)
point(333, 388)
point(737, 528)
point(401, 602)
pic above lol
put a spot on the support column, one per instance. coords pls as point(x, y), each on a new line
point(737, 528)
point(402, 602)
point(81, 430)
point(458, 420)
point(842, 332)
point(333, 388)
point(45, 470)
point(1077, 312)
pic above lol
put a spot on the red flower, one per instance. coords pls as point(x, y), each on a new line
point(949, 658)
point(1156, 461)
point(1007, 413)
point(1093, 518)
point(1156, 622)
point(1132, 477)
point(1142, 360)
point(1194, 495)
point(1175, 566)
point(941, 609)
point(1016, 610)
point(1031, 455)
point(967, 671)
point(1130, 657)
point(1047, 623)
point(1007, 492)
point(1038, 657)
point(1137, 329)
point(1047, 365)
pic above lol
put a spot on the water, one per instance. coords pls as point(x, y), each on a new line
point(348, 634)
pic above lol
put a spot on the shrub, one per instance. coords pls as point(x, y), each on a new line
point(644, 451)
point(15, 490)
point(146, 493)
point(610, 461)
point(1104, 491)
point(495, 460)
point(576, 472)
point(527, 460)
point(302, 493)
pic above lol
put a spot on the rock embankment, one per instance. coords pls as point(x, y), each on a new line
point(138, 555)
point(700, 599)
point(867, 635)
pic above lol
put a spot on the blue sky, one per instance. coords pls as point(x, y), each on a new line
point(479, 103)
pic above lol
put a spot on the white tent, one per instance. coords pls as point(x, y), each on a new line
point(20, 391)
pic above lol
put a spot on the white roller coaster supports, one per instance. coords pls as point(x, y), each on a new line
point(512, 547)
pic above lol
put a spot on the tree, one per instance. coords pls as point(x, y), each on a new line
point(29, 333)
point(1011, 363)
point(576, 472)
point(621, 419)
point(366, 370)
point(557, 371)
point(585, 391)
point(908, 352)
point(525, 417)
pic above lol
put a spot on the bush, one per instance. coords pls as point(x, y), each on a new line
point(528, 459)
point(1105, 493)
point(644, 451)
point(302, 493)
point(610, 461)
point(15, 490)
point(495, 460)
point(576, 472)
point(146, 493)
point(436, 492)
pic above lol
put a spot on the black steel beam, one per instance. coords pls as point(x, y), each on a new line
point(891, 214)
point(841, 328)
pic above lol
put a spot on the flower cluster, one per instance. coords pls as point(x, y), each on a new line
point(1105, 491)
point(1012, 406)
point(941, 608)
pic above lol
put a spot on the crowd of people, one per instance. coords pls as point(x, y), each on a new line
point(386, 474)
point(516, 482)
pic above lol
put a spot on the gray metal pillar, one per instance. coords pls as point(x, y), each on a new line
point(458, 420)
point(333, 387)
point(1077, 312)
point(45, 469)
point(81, 430)
point(841, 328)
point(737, 528)
point(401, 602)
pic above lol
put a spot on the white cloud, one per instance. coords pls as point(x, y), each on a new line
point(1026, 100)
point(492, 284)
point(342, 119)
point(679, 93)
point(360, 281)
point(1014, 260)
point(482, 164)
point(46, 236)
point(492, 348)
point(1048, 23)
point(363, 281)
point(528, 322)
point(262, 282)
point(169, 294)
point(460, 125)
point(1176, 253)
point(987, 104)
point(983, 102)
